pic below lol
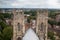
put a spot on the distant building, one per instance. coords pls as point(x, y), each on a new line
point(58, 17)
point(8, 21)
point(5, 11)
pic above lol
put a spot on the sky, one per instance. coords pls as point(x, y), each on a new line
point(30, 4)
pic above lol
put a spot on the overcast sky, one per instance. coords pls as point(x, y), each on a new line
point(30, 4)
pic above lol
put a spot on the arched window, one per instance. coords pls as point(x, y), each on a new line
point(18, 26)
point(41, 26)
point(18, 38)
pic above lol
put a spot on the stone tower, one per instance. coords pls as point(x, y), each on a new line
point(18, 24)
point(41, 27)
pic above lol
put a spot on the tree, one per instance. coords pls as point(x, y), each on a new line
point(1, 36)
point(6, 30)
point(51, 35)
point(6, 15)
point(58, 23)
point(52, 14)
point(52, 22)
point(7, 33)
point(28, 19)
point(3, 25)
point(1, 17)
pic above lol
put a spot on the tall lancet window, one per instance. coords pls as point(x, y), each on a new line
point(42, 25)
point(18, 26)
point(39, 26)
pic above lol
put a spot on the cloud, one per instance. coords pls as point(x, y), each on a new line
point(53, 4)
point(29, 4)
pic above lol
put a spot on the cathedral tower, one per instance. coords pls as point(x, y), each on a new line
point(18, 24)
point(41, 28)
